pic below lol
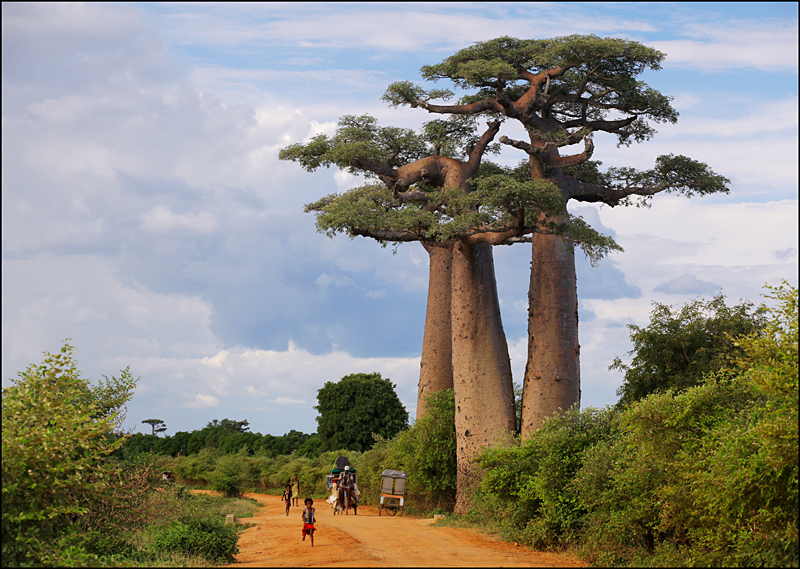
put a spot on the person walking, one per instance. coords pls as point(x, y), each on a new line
point(309, 519)
point(296, 490)
point(287, 497)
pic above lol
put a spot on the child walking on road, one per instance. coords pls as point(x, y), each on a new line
point(287, 497)
point(309, 518)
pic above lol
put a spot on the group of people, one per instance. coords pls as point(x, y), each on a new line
point(345, 486)
point(292, 492)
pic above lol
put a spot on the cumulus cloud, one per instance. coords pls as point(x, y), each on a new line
point(687, 284)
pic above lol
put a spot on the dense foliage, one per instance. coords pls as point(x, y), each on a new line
point(703, 476)
point(426, 452)
point(57, 428)
point(355, 409)
point(679, 347)
point(207, 538)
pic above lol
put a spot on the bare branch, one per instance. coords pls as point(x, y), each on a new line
point(470, 109)
point(564, 161)
point(476, 154)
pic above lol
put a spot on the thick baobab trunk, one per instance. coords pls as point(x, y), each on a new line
point(482, 383)
point(436, 365)
point(552, 374)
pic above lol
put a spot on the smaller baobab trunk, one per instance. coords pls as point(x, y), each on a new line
point(552, 374)
point(484, 394)
point(436, 365)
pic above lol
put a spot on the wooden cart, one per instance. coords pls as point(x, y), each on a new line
point(393, 491)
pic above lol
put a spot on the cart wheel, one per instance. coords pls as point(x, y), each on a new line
point(380, 506)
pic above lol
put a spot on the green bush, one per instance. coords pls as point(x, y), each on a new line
point(57, 428)
point(210, 539)
point(197, 467)
point(230, 475)
point(526, 487)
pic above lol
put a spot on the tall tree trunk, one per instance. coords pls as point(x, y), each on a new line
point(436, 365)
point(484, 393)
point(552, 373)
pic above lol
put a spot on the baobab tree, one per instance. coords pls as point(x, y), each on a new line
point(430, 199)
point(562, 90)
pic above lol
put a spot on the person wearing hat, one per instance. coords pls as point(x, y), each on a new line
point(345, 488)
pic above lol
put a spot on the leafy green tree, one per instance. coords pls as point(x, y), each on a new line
point(562, 90)
point(709, 473)
point(678, 347)
point(311, 447)
point(57, 428)
point(357, 407)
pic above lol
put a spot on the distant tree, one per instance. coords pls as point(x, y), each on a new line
point(311, 447)
point(359, 406)
point(158, 425)
point(230, 425)
point(679, 346)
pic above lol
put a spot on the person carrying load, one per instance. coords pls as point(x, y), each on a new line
point(345, 486)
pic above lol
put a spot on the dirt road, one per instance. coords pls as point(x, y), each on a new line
point(367, 540)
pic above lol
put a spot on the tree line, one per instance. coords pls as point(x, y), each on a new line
point(351, 412)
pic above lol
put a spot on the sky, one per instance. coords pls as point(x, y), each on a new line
point(146, 216)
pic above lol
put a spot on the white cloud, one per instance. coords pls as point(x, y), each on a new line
point(161, 218)
point(687, 284)
point(735, 45)
point(288, 401)
point(200, 401)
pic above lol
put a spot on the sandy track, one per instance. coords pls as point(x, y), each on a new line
point(367, 540)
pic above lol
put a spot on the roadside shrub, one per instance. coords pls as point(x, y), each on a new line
point(426, 452)
point(229, 476)
point(128, 503)
point(526, 487)
point(210, 539)
point(57, 428)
